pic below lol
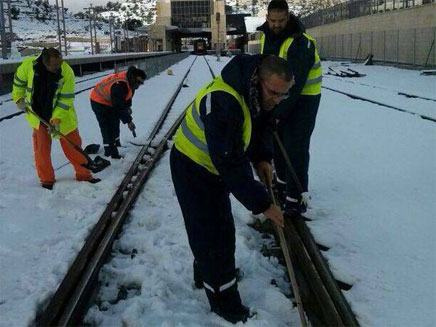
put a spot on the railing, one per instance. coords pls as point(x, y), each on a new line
point(358, 8)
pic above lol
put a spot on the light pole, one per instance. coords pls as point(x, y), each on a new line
point(3, 27)
point(90, 26)
point(92, 23)
point(110, 30)
point(94, 17)
point(59, 26)
point(65, 31)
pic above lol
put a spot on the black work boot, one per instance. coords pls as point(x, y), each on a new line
point(281, 192)
point(112, 151)
point(198, 281)
point(94, 180)
point(228, 305)
point(294, 207)
point(47, 186)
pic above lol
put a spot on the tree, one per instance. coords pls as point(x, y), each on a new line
point(80, 15)
point(15, 12)
point(149, 17)
point(132, 24)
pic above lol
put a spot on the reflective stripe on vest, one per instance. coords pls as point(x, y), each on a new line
point(314, 79)
point(190, 138)
point(262, 42)
point(63, 98)
point(101, 93)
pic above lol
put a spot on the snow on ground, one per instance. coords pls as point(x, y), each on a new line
point(373, 186)
point(42, 231)
point(159, 277)
point(383, 83)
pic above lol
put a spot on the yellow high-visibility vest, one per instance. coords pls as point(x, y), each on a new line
point(190, 138)
point(63, 100)
point(314, 79)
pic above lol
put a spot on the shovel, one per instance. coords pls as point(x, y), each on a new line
point(96, 165)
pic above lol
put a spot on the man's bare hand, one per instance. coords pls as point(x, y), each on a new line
point(265, 172)
point(275, 214)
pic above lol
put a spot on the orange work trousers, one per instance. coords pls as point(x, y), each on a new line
point(42, 152)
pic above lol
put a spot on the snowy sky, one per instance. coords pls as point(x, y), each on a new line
point(77, 5)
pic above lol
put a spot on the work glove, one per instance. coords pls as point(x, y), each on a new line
point(306, 200)
point(131, 126)
point(22, 105)
point(55, 129)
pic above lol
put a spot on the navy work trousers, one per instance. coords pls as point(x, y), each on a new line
point(206, 209)
point(295, 132)
point(109, 121)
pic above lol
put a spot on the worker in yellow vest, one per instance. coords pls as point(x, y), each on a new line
point(284, 35)
point(45, 84)
point(226, 127)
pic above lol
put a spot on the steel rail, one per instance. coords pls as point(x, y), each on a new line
point(322, 297)
point(321, 265)
point(357, 97)
point(210, 68)
point(408, 95)
point(68, 304)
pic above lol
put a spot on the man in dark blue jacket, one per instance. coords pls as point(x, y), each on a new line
point(284, 35)
point(111, 101)
point(225, 128)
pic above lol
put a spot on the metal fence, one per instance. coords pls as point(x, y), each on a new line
point(414, 46)
point(154, 65)
point(358, 8)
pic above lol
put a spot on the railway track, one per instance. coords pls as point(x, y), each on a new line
point(384, 104)
point(69, 302)
point(358, 97)
point(321, 294)
point(324, 301)
point(407, 95)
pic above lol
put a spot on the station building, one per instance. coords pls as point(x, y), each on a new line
point(181, 19)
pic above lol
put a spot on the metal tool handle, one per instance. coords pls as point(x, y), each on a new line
point(288, 261)
point(288, 163)
point(55, 131)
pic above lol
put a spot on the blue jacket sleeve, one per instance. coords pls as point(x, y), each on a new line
point(261, 145)
point(118, 95)
point(223, 131)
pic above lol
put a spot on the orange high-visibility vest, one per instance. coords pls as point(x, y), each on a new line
point(101, 93)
